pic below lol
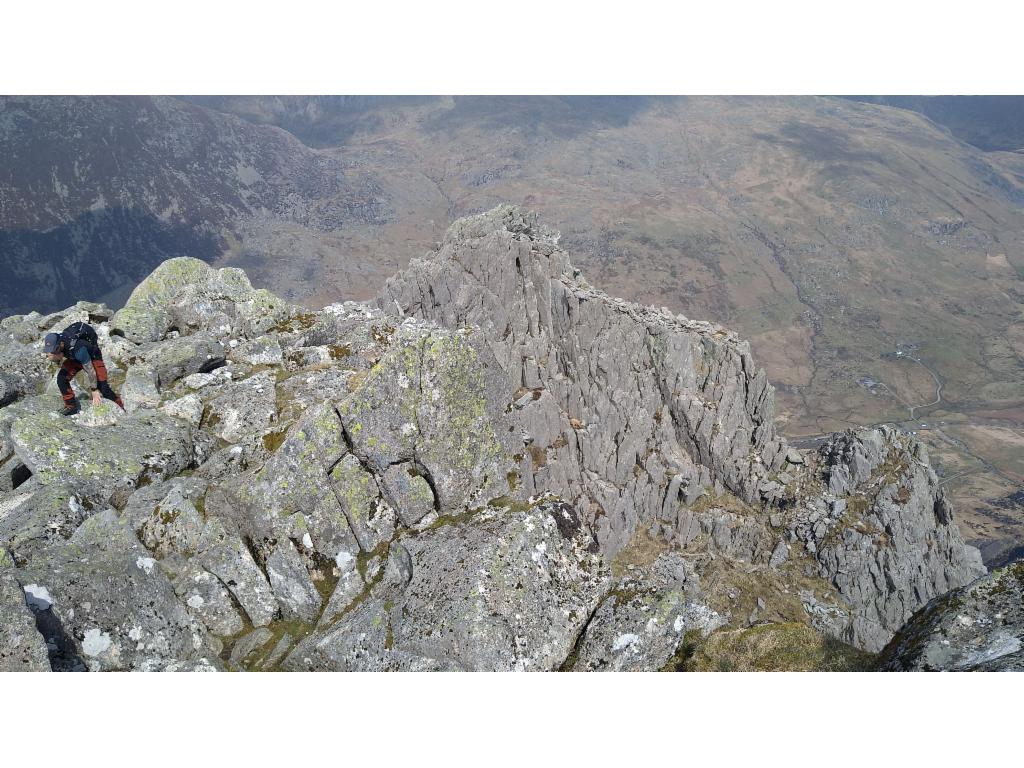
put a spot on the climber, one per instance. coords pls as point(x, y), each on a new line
point(79, 349)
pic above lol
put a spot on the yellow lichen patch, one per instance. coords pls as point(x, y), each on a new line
point(300, 321)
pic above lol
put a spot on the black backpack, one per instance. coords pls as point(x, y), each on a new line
point(79, 333)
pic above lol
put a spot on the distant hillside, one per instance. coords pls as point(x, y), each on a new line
point(94, 192)
point(991, 123)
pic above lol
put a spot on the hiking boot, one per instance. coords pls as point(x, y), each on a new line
point(70, 409)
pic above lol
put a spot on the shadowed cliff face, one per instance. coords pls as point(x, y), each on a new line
point(492, 466)
point(93, 255)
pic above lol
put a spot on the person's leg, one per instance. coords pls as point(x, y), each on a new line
point(101, 381)
point(67, 372)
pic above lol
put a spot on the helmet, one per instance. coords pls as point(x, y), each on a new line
point(51, 344)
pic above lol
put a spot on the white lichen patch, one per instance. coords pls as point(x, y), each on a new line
point(95, 642)
point(539, 553)
point(622, 642)
point(344, 560)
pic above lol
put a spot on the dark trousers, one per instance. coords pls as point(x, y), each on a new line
point(70, 368)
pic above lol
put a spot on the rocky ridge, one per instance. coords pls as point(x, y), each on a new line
point(492, 466)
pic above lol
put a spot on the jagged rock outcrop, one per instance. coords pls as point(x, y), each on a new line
point(636, 414)
point(187, 295)
point(493, 466)
point(882, 531)
point(628, 410)
point(979, 627)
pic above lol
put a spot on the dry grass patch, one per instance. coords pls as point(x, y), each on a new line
point(789, 647)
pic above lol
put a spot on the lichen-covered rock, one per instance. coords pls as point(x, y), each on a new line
point(500, 589)
point(59, 450)
point(105, 414)
point(410, 494)
point(22, 648)
point(370, 517)
point(645, 618)
point(205, 596)
point(176, 358)
point(979, 627)
point(365, 644)
point(293, 494)
point(434, 400)
point(503, 589)
point(112, 600)
point(172, 526)
point(261, 351)
point(293, 588)
point(347, 591)
point(224, 554)
point(188, 408)
point(189, 294)
point(41, 516)
point(246, 408)
point(146, 315)
point(141, 388)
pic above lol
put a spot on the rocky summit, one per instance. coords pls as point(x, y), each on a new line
point(491, 466)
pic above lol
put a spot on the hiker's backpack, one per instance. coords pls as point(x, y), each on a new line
point(80, 333)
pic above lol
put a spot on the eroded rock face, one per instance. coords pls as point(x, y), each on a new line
point(977, 628)
point(635, 414)
point(441, 479)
